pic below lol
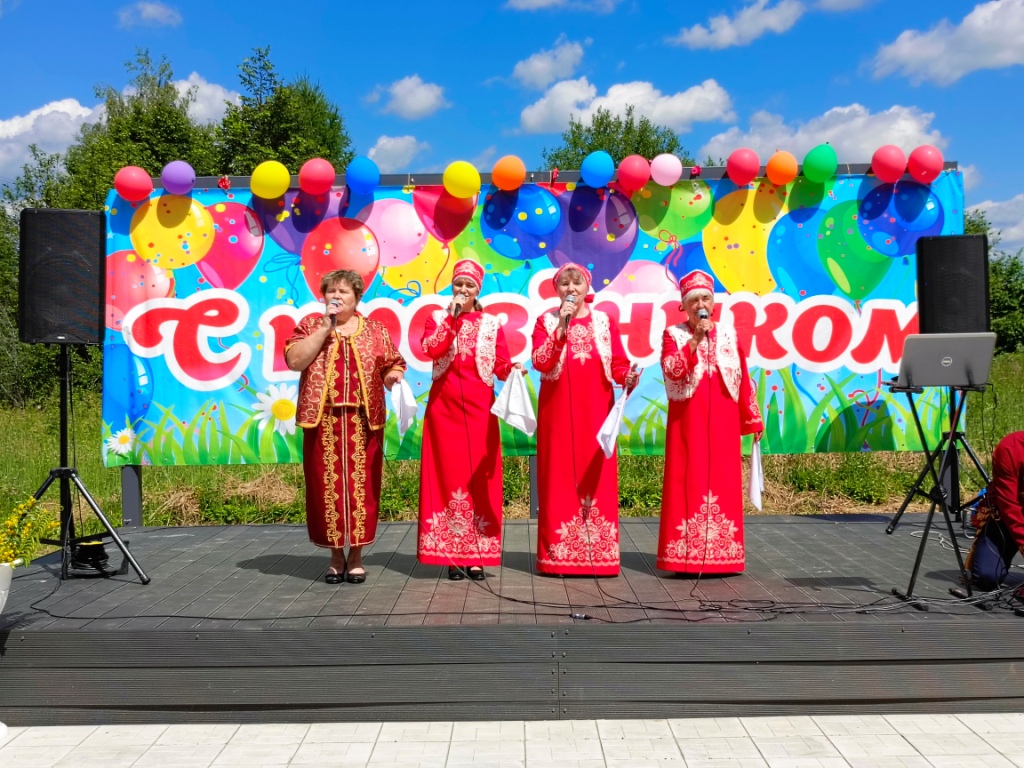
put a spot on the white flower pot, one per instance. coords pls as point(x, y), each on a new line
point(6, 572)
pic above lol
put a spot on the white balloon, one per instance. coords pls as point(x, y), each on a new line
point(666, 169)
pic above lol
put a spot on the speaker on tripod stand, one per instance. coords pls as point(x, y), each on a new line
point(61, 301)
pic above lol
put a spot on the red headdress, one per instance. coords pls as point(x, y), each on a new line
point(696, 281)
point(469, 268)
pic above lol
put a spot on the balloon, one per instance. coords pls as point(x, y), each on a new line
point(820, 163)
point(673, 214)
point(889, 163)
point(854, 266)
point(339, 244)
point(666, 169)
point(642, 276)
point(430, 272)
point(172, 231)
point(781, 168)
point(237, 246)
point(793, 255)
point(597, 169)
point(601, 232)
point(362, 175)
point(736, 240)
point(461, 180)
point(129, 385)
point(288, 219)
point(178, 177)
point(742, 166)
point(131, 281)
point(634, 172)
point(508, 173)
point(401, 236)
point(925, 164)
point(524, 224)
point(270, 179)
point(316, 176)
point(472, 244)
point(443, 215)
point(686, 257)
point(892, 218)
point(133, 184)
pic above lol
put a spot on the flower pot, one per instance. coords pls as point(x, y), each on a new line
point(6, 572)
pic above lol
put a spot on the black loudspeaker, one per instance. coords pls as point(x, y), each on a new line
point(60, 282)
point(952, 284)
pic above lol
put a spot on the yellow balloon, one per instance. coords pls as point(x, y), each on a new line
point(430, 272)
point(736, 239)
point(172, 231)
point(461, 179)
point(270, 180)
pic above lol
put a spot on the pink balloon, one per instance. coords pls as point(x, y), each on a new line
point(400, 234)
point(666, 169)
point(889, 163)
point(634, 172)
point(131, 281)
point(743, 166)
point(133, 184)
point(925, 164)
point(316, 177)
point(640, 276)
point(237, 245)
point(339, 244)
point(443, 215)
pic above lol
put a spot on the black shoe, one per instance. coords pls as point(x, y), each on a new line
point(476, 573)
point(333, 577)
point(356, 578)
point(455, 573)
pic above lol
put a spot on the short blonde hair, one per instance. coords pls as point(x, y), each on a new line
point(354, 280)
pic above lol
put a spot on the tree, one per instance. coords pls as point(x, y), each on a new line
point(1005, 285)
point(290, 123)
point(619, 136)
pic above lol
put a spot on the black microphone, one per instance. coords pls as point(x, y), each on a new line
point(457, 311)
point(702, 314)
point(334, 318)
point(570, 299)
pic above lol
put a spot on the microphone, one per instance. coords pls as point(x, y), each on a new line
point(457, 311)
point(702, 314)
point(570, 299)
point(334, 318)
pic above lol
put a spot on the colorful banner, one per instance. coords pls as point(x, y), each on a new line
point(819, 280)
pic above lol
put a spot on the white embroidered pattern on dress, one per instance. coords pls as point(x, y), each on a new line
point(599, 332)
point(477, 337)
point(586, 539)
point(456, 531)
point(708, 538)
point(723, 357)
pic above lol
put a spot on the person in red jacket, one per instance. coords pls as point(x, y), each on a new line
point(1000, 516)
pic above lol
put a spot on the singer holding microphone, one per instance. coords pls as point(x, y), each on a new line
point(712, 402)
point(460, 511)
point(346, 361)
point(578, 353)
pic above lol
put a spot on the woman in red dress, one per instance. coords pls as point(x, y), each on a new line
point(460, 470)
point(579, 354)
point(346, 361)
point(711, 402)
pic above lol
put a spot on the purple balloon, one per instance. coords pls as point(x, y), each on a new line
point(178, 177)
point(288, 219)
point(601, 232)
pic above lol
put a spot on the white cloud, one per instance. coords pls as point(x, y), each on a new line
point(410, 98)
point(705, 102)
point(545, 67)
point(483, 161)
point(972, 176)
point(749, 23)
point(596, 6)
point(52, 126)
point(393, 154)
point(208, 106)
point(989, 37)
point(148, 14)
point(854, 131)
point(1008, 217)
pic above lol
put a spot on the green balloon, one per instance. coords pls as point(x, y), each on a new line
point(853, 265)
point(804, 193)
point(681, 210)
point(820, 163)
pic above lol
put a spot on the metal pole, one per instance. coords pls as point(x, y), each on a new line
point(131, 496)
point(534, 497)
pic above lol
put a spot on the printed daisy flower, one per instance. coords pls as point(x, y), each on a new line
point(122, 442)
point(277, 406)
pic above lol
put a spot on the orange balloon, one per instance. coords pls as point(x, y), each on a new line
point(782, 168)
point(509, 173)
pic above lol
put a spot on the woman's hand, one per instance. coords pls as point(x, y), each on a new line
point(632, 378)
point(393, 377)
point(458, 303)
point(519, 367)
point(331, 310)
point(758, 436)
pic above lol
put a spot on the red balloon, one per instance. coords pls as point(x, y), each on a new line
point(237, 245)
point(133, 184)
point(743, 166)
point(131, 281)
point(443, 215)
point(316, 176)
point(339, 244)
point(925, 164)
point(634, 172)
point(889, 163)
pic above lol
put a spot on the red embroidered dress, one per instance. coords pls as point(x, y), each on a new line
point(578, 488)
point(711, 403)
point(460, 471)
point(341, 410)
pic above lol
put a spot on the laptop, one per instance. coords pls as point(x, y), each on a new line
point(946, 359)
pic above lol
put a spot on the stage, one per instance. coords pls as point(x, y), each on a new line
point(238, 626)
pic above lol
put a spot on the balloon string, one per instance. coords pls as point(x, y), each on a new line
point(289, 264)
point(447, 258)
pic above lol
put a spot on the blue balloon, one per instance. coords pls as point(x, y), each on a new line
point(523, 224)
point(362, 175)
point(597, 169)
point(893, 217)
point(793, 255)
point(129, 386)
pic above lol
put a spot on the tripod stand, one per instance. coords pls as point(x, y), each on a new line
point(68, 475)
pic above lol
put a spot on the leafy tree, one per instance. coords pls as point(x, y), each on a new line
point(1005, 285)
point(617, 135)
point(290, 123)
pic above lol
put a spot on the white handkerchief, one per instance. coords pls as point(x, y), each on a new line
point(404, 404)
point(608, 435)
point(513, 405)
point(756, 477)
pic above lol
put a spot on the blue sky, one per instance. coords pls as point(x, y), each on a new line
point(422, 84)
